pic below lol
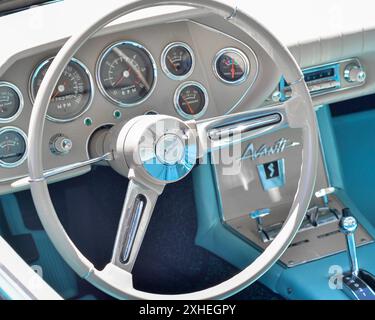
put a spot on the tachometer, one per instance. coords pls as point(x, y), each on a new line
point(231, 66)
point(13, 147)
point(11, 102)
point(126, 73)
point(191, 100)
point(73, 94)
point(177, 60)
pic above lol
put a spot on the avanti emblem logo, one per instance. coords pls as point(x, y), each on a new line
point(278, 147)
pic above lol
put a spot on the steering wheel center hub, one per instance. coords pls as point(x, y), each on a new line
point(170, 149)
point(159, 148)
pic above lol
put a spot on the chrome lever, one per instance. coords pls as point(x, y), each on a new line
point(23, 182)
point(348, 226)
point(258, 216)
point(324, 193)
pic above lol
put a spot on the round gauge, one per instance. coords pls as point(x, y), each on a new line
point(191, 100)
point(177, 61)
point(13, 147)
point(126, 73)
point(231, 66)
point(73, 93)
point(11, 102)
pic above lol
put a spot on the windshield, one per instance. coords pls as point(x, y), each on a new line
point(11, 6)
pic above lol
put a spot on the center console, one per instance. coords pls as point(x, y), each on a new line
point(256, 201)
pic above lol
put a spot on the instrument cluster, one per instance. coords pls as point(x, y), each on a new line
point(126, 75)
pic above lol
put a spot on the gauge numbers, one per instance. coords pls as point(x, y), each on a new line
point(177, 61)
point(73, 94)
point(126, 73)
point(231, 66)
point(11, 102)
point(13, 147)
point(191, 100)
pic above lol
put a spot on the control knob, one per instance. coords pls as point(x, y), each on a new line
point(354, 73)
point(60, 144)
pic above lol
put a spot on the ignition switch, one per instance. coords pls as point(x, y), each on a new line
point(60, 144)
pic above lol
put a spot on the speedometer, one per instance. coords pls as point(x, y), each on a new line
point(73, 93)
point(126, 73)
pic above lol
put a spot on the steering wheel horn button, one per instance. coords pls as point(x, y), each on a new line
point(170, 149)
point(157, 148)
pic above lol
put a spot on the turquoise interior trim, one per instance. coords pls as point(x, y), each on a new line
point(55, 270)
point(355, 140)
point(310, 280)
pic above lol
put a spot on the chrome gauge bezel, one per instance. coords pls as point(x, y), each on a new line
point(101, 86)
point(244, 77)
point(20, 97)
point(177, 95)
point(7, 165)
point(164, 56)
point(91, 81)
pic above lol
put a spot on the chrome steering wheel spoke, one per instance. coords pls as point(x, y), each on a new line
point(136, 213)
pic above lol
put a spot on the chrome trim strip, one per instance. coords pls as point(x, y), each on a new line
point(100, 84)
point(92, 88)
point(20, 97)
point(177, 95)
point(164, 65)
point(242, 127)
point(244, 77)
point(7, 165)
point(137, 212)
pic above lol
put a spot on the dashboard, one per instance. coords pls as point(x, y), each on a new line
point(192, 65)
point(191, 70)
point(198, 66)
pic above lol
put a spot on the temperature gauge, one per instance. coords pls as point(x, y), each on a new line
point(191, 100)
point(11, 102)
point(231, 66)
point(177, 61)
point(13, 147)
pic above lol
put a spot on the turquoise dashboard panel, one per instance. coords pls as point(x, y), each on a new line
point(308, 281)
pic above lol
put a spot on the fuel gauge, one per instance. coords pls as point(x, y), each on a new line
point(177, 61)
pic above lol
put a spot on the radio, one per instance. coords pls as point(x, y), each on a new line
point(326, 78)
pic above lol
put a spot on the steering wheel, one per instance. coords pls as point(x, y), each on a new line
point(153, 151)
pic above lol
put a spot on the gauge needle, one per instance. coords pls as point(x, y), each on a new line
point(133, 67)
point(233, 70)
point(172, 63)
point(188, 105)
point(121, 78)
point(57, 91)
point(55, 94)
